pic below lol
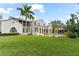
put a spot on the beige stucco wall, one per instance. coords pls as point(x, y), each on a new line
point(8, 24)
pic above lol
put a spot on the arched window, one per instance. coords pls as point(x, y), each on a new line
point(13, 30)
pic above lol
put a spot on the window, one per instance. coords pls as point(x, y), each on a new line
point(26, 30)
point(40, 30)
point(50, 31)
point(35, 23)
point(23, 30)
point(13, 30)
point(46, 30)
point(36, 29)
point(38, 24)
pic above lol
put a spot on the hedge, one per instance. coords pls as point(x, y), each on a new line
point(8, 34)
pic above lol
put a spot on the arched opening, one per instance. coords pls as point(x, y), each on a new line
point(13, 30)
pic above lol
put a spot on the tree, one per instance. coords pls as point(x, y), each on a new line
point(77, 29)
point(32, 25)
point(27, 12)
point(22, 13)
point(71, 26)
point(56, 24)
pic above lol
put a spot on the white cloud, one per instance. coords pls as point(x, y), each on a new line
point(38, 7)
point(19, 17)
point(42, 11)
point(2, 10)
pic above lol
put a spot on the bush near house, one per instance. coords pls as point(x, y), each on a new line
point(8, 34)
point(72, 35)
point(78, 33)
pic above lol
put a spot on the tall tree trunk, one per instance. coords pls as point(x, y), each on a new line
point(26, 23)
point(33, 27)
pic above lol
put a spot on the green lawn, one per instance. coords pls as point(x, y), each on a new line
point(38, 46)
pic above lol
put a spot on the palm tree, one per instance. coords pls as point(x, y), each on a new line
point(32, 25)
point(27, 12)
point(21, 13)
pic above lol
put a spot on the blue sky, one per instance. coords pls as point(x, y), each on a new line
point(45, 11)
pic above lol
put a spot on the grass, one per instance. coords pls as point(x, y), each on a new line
point(38, 46)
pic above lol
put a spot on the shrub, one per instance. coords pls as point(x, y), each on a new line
point(72, 35)
point(8, 34)
point(77, 32)
point(53, 35)
point(65, 33)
